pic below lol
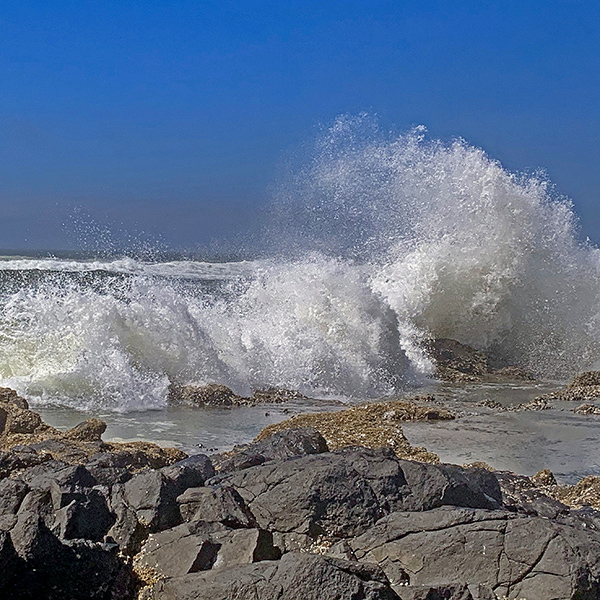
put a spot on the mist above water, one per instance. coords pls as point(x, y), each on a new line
point(379, 243)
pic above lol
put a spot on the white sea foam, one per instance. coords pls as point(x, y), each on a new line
point(188, 269)
point(396, 239)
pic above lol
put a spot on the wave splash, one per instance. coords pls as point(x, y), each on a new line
point(396, 239)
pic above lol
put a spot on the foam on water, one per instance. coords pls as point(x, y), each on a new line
point(395, 239)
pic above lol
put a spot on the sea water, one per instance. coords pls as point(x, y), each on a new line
point(376, 243)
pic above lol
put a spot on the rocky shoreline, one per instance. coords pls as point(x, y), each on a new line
point(321, 506)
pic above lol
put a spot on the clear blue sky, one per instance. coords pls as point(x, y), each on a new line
point(172, 116)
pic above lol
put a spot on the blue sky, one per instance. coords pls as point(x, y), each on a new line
point(172, 118)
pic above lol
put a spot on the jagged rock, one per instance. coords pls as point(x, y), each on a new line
point(449, 591)
point(539, 403)
point(86, 517)
point(64, 481)
point(432, 486)
point(277, 446)
point(244, 546)
point(274, 395)
point(152, 495)
point(64, 450)
point(8, 396)
point(295, 577)
point(515, 555)
point(371, 425)
point(21, 427)
point(127, 531)
point(544, 477)
point(189, 472)
point(12, 568)
point(141, 455)
point(585, 492)
point(195, 547)
point(221, 504)
point(584, 387)
point(216, 395)
point(109, 468)
point(184, 549)
point(343, 493)
point(20, 458)
point(12, 494)
point(530, 495)
point(487, 403)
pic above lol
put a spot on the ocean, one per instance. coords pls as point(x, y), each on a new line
point(375, 245)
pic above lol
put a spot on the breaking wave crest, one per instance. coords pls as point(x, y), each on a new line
point(390, 240)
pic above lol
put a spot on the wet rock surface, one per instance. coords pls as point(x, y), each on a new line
point(460, 363)
point(372, 425)
point(220, 396)
point(293, 515)
point(584, 387)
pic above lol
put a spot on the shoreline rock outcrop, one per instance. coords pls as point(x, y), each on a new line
point(285, 517)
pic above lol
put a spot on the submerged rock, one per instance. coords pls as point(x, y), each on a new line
point(371, 425)
point(538, 403)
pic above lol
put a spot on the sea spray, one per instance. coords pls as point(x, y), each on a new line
point(382, 241)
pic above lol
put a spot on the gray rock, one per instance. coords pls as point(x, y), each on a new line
point(442, 592)
point(199, 546)
point(515, 555)
point(152, 495)
point(521, 494)
point(84, 518)
point(333, 494)
point(220, 504)
point(62, 479)
point(127, 531)
point(438, 485)
point(11, 567)
point(179, 551)
point(55, 569)
point(19, 458)
point(189, 472)
point(244, 546)
point(35, 518)
point(341, 494)
point(296, 576)
point(109, 468)
point(12, 493)
point(279, 446)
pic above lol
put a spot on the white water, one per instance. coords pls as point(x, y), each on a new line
point(394, 239)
